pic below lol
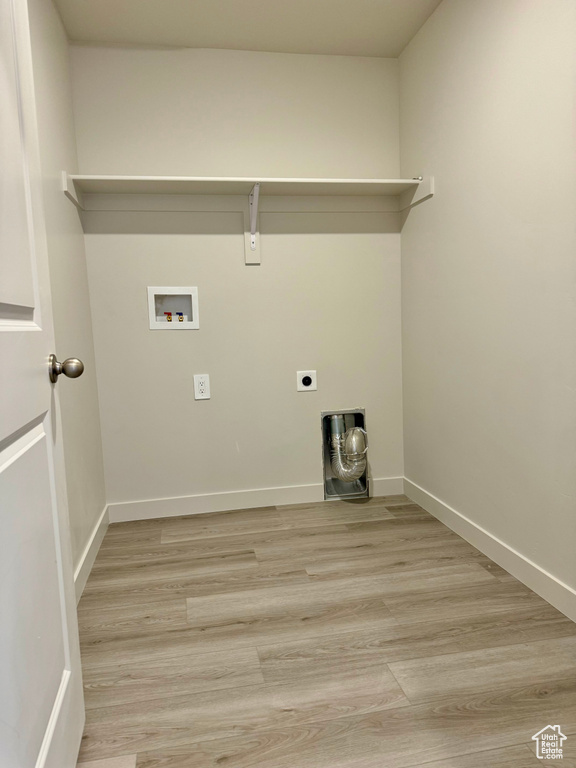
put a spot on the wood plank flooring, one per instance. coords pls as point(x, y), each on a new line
point(333, 635)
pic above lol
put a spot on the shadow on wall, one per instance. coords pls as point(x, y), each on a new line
point(231, 223)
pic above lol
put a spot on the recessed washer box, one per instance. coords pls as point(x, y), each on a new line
point(173, 308)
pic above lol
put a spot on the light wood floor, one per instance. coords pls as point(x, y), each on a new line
point(331, 635)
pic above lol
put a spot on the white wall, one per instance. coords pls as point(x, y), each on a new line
point(325, 302)
point(326, 296)
point(489, 271)
point(186, 112)
point(69, 283)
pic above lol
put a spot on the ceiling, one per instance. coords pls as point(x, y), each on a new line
point(338, 27)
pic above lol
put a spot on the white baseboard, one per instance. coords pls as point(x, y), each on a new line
point(386, 486)
point(558, 594)
point(146, 509)
point(89, 555)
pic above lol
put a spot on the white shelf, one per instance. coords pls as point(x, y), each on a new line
point(192, 185)
point(405, 192)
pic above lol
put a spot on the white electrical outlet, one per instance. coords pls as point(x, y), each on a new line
point(306, 381)
point(201, 386)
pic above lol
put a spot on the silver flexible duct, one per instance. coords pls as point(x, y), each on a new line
point(348, 456)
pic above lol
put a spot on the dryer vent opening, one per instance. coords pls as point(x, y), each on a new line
point(345, 446)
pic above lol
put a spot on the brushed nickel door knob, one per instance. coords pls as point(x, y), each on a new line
point(71, 368)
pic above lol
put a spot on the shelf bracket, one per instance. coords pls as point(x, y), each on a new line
point(251, 234)
point(71, 192)
point(253, 199)
point(424, 191)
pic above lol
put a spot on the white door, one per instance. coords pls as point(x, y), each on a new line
point(41, 706)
